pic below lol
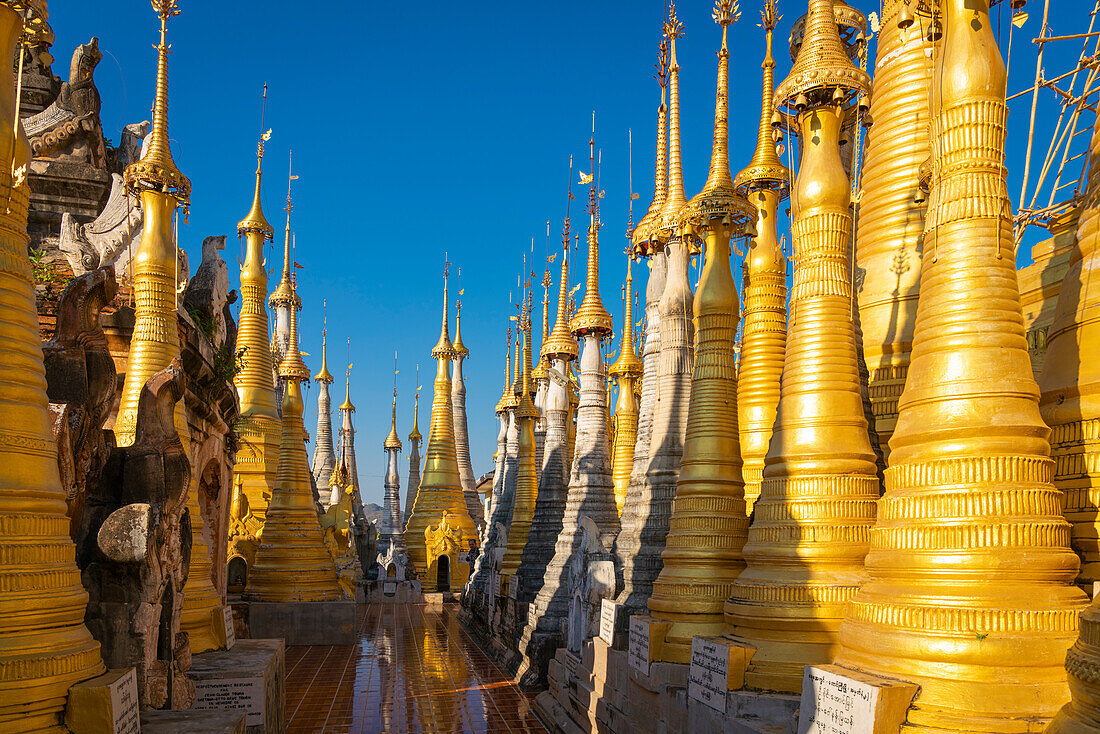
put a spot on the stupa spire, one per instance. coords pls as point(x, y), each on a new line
point(285, 294)
point(324, 458)
point(260, 426)
point(155, 342)
point(459, 352)
point(626, 370)
point(702, 554)
point(444, 347)
point(390, 536)
point(643, 234)
point(668, 221)
point(414, 453)
point(766, 182)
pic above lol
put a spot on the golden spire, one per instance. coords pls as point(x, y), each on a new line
point(292, 366)
point(643, 233)
point(346, 405)
point(766, 171)
point(668, 221)
point(506, 393)
point(156, 171)
point(323, 375)
point(392, 441)
point(255, 221)
point(591, 316)
point(626, 370)
point(764, 321)
point(285, 293)
point(459, 349)
point(443, 347)
point(822, 66)
point(718, 199)
point(703, 549)
point(541, 371)
point(414, 434)
point(561, 344)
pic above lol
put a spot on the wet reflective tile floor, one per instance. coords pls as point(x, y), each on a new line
point(414, 669)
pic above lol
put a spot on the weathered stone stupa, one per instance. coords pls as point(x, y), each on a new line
point(415, 437)
point(591, 495)
point(462, 436)
point(391, 538)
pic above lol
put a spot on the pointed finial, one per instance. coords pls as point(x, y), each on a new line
point(392, 441)
point(157, 171)
point(323, 375)
point(628, 364)
point(443, 348)
point(561, 344)
point(285, 294)
point(643, 234)
point(719, 201)
point(414, 435)
point(766, 170)
point(591, 316)
point(668, 222)
point(347, 405)
point(255, 221)
point(459, 349)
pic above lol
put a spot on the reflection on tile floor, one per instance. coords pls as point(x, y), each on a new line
point(414, 669)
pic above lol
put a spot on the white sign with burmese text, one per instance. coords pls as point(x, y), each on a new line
point(638, 649)
point(710, 664)
point(835, 704)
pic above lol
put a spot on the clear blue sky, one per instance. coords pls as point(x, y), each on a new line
point(424, 128)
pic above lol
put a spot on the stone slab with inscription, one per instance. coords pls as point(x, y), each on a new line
point(223, 626)
point(250, 678)
point(717, 667)
point(838, 700)
point(608, 612)
point(647, 635)
point(106, 704)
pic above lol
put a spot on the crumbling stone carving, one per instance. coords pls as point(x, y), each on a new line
point(80, 384)
point(134, 550)
point(590, 573)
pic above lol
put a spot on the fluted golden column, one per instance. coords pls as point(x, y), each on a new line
point(804, 555)
point(44, 646)
point(292, 563)
point(259, 427)
point(440, 490)
point(969, 589)
point(766, 182)
point(526, 494)
point(626, 371)
point(891, 211)
point(155, 341)
point(702, 554)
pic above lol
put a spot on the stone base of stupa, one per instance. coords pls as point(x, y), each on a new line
point(249, 678)
point(599, 690)
point(304, 622)
point(508, 620)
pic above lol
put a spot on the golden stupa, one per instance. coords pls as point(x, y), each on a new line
point(155, 341)
point(969, 590)
point(626, 371)
point(1071, 385)
point(44, 646)
point(439, 500)
point(259, 427)
point(292, 563)
point(811, 524)
point(766, 182)
point(891, 210)
point(702, 554)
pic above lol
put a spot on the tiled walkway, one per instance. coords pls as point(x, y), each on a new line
point(414, 669)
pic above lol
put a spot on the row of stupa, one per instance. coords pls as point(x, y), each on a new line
point(870, 480)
